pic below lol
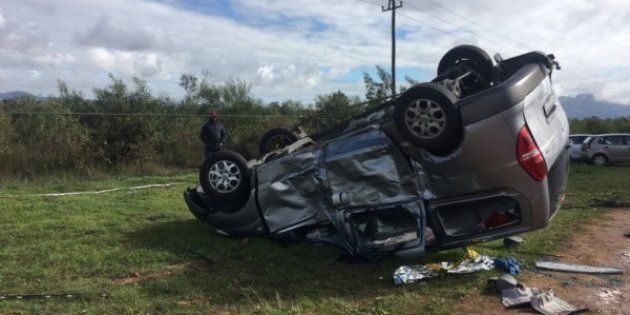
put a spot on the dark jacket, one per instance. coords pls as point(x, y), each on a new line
point(213, 134)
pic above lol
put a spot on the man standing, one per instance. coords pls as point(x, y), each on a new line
point(213, 134)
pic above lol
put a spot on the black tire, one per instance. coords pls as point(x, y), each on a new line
point(599, 159)
point(426, 116)
point(473, 57)
point(231, 181)
point(276, 138)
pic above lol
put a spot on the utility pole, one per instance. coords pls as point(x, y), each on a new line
point(392, 6)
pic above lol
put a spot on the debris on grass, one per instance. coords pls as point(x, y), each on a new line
point(575, 268)
point(516, 294)
point(472, 263)
point(549, 304)
point(507, 264)
point(512, 241)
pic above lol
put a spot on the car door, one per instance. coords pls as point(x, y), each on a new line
point(617, 148)
point(625, 155)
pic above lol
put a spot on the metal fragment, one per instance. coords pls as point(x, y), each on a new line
point(558, 266)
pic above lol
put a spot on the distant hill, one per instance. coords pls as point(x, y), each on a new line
point(17, 94)
point(585, 105)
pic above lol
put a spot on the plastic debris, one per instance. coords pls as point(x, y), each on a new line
point(558, 266)
point(503, 282)
point(473, 263)
point(507, 264)
point(549, 304)
point(512, 241)
point(518, 296)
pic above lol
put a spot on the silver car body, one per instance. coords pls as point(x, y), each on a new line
point(607, 148)
point(479, 192)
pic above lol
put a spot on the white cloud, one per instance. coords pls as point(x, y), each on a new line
point(298, 49)
point(3, 21)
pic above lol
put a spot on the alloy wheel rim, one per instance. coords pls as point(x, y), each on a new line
point(425, 118)
point(225, 176)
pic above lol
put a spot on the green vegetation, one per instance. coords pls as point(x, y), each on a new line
point(91, 244)
point(596, 125)
point(38, 145)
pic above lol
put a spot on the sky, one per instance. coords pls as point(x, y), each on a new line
point(298, 49)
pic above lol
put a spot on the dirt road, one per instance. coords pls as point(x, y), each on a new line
point(602, 243)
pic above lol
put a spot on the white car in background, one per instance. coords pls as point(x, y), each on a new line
point(575, 151)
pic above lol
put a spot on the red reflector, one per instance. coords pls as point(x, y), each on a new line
point(529, 156)
point(495, 219)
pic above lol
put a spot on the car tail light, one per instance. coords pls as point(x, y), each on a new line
point(529, 156)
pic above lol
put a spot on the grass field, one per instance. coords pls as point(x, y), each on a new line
point(133, 245)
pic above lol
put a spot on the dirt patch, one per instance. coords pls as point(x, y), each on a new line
point(601, 244)
point(138, 277)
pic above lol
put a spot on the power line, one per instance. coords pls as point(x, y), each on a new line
point(498, 45)
point(427, 24)
point(143, 115)
point(474, 22)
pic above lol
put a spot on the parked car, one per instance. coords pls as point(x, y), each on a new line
point(607, 149)
point(478, 153)
point(575, 151)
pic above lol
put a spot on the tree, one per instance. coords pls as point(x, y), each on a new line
point(377, 90)
point(333, 108)
point(189, 83)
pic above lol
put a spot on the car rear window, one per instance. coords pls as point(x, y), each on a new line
point(578, 139)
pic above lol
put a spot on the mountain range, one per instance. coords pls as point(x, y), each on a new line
point(579, 106)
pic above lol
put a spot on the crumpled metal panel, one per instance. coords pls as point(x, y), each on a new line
point(370, 168)
point(298, 190)
point(291, 191)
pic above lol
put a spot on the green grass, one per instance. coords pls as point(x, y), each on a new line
point(82, 243)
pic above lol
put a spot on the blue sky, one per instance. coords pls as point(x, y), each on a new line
point(298, 49)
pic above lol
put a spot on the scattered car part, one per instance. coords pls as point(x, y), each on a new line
point(505, 281)
point(517, 296)
point(549, 304)
point(275, 139)
point(512, 241)
point(558, 266)
point(368, 189)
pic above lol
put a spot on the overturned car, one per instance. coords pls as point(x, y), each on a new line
point(478, 153)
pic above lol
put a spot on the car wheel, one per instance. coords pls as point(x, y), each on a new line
point(474, 58)
point(599, 160)
point(426, 116)
point(276, 138)
point(225, 177)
